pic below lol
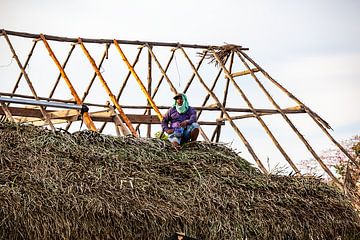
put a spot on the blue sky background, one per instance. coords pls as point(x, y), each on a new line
point(311, 47)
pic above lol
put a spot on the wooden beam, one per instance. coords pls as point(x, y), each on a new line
point(242, 73)
point(100, 116)
point(91, 40)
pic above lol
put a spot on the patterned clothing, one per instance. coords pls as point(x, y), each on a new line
point(174, 118)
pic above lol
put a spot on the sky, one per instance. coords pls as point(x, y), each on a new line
point(310, 47)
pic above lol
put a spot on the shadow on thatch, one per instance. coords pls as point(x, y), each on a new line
point(91, 186)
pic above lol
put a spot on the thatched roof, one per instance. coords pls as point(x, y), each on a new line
point(91, 186)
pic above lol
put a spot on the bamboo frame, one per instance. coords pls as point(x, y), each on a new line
point(236, 129)
point(87, 90)
point(7, 112)
point(172, 88)
point(262, 123)
point(63, 67)
point(87, 119)
point(316, 120)
point(302, 138)
point(107, 89)
point(43, 112)
point(124, 84)
point(218, 128)
point(138, 80)
point(25, 65)
point(149, 92)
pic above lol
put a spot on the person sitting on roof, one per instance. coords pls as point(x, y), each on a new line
point(182, 119)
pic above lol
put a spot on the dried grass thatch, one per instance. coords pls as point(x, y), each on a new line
point(91, 186)
point(222, 51)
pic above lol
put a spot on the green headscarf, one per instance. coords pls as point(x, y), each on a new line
point(184, 107)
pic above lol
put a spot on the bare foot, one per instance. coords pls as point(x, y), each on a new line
point(176, 146)
point(194, 134)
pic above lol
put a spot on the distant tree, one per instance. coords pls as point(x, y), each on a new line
point(334, 158)
point(346, 170)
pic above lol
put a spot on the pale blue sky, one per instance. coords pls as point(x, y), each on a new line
point(311, 47)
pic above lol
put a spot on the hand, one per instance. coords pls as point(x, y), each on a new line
point(169, 131)
point(184, 123)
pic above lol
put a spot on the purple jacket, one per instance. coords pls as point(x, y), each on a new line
point(173, 117)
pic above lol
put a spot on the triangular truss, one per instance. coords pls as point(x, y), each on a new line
point(157, 72)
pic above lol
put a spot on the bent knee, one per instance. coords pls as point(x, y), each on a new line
point(195, 125)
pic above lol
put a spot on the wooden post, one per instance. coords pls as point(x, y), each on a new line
point(301, 137)
point(7, 112)
point(118, 122)
point(149, 92)
point(88, 122)
point(236, 129)
point(43, 112)
point(218, 128)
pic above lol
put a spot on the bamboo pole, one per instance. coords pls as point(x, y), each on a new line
point(43, 112)
point(172, 88)
point(159, 82)
point(7, 112)
point(138, 80)
point(129, 74)
point(212, 88)
point(124, 84)
point(262, 123)
point(87, 119)
point(236, 129)
point(105, 54)
point(25, 65)
point(289, 110)
point(218, 128)
point(302, 138)
point(242, 73)
point(149, 91)
point(193, 75)
point(63, 67)
point(86, 92)
point(107, 89)
point(260, 114)
point(90, 40)
point(308, 110)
